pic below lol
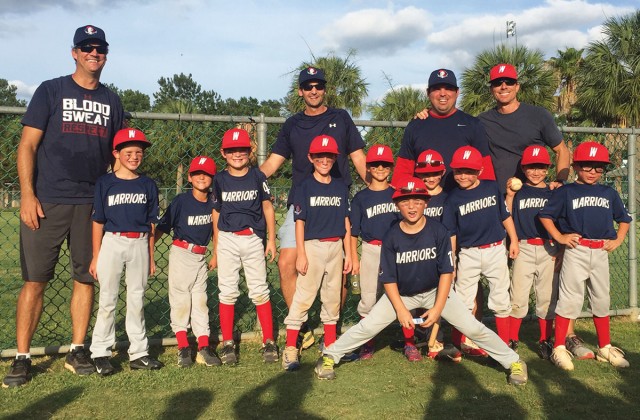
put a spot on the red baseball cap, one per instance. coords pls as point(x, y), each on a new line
point(429, 161)
point(503, 71)
point(590, 151)
point(380, 153)
point(324, 144)
point(467, 157)
point(535, 154)
point(130, 135)
point(203, 164)
point(411, 187)
point(236, 137)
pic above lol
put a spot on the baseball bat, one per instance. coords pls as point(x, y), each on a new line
point(434, 333)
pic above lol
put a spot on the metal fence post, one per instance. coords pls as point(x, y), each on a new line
point(262, 140)
point(633, 201)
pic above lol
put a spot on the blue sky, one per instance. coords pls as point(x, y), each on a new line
point(250, 48)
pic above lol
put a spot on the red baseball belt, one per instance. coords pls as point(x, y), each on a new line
point(131, 235)
point(490, 245)
point(592, 243)
point(196, 249)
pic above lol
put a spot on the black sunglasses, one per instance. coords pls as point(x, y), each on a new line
point(499, 82)
point(385, 165)
point(588, 168)
point(432, 163)
point(102, 49)
point(405, 190)
point(309, 87)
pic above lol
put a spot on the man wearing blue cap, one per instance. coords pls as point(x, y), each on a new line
point(65, 146)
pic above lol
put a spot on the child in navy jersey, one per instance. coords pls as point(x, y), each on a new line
point(580, 216)
point(321, 213)
point(243, 219)
point(416, 269)
point(536, 259)
point(189, 216)
point(372, 213)
point(430, 167)
point(476, 216)
point(125, 210)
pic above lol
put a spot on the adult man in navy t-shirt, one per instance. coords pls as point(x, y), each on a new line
point(64, 148)
point(293, 142)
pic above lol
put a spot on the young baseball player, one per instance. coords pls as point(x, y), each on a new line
point(580, 216)
point(189, 216)
point(477, 218)
point(536, 259)
point(372, 213)
point(125, 210)
point(430, 167)
point(416, 269)
point(321, 212)
point(243, 218)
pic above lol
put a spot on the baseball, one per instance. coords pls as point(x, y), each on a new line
point(516, 184)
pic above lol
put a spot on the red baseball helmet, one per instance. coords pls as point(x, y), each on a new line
point(429, 161)
point(535, 154)
point(324, 144)
point(467, 157)
point(590, 151)
point(204, 164)
point(379, 153)
point(130, 135)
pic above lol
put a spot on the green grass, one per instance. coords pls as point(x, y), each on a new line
point(386, 387)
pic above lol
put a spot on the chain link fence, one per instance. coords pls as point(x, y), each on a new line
point(176, 140)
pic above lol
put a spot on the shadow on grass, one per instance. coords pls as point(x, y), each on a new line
point(281, 397)
point(189, 404)
point(47, 406)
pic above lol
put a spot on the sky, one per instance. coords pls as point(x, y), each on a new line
point(252, 48)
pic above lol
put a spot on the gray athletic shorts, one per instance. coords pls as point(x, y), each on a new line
point(40, 248)
point(287, 232)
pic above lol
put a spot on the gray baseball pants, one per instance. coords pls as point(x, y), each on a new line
point(534, 266)
point(369, 286)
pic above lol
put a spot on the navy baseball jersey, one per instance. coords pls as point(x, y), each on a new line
point(527, 204)
point(475, 216)
point(126, 205)
point(589, 210)
point(445, 135)
point(239, 199)
point(415, 261)
point(435, 206)
point(323, 207)
point(372, 214)
point(189, 218)
point(299, 130)
point(79, 125)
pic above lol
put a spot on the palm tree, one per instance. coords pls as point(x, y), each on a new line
point(345, 86)
point(536, 80)
point(609, 79)
point(566, 67)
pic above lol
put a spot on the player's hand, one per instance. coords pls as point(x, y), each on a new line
point(555, 184)
point(611, 244)
point(93, 268)
point(270, 249)
point(406, 319)
point(510, 192)
point(355, 266)
point(31, 211)
point(571, 240)
point(152, 267)
point(302, 264)
point(514, 250)
point(422, 115)
point(213, 262)
point(348, 265)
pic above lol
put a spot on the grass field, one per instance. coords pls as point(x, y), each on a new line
point(386, 387)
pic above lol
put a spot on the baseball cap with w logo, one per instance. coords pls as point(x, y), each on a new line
point(379, 153)
point(236, 137)
point(130, 135)
point(203, 164)
point(503, 71)
point(429, 161)
point(467, 157)
point(590, 151)
point(535, 154)
point(324, 144)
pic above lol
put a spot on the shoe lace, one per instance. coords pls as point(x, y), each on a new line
point(516, 368)
point(327, 363)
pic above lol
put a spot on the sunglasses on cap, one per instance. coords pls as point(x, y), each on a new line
point(432, 163)
point(308, 87)
point(499, 82)
point(101, 49)
point(405, 190)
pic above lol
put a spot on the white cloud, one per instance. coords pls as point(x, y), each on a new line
point(381, 31)
point(24, 90)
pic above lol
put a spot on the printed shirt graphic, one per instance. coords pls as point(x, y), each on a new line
point(299, 130)
point(435, 206)
point(126, 205)
point(475, 216)
point(189, 218)
point(239, 199)
point(323, 207)
point(78, 125)
point(372, 214)
point(415, 262)
point(589, 210)
point(527, 204)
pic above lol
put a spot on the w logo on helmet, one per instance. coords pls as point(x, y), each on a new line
point(132, 134)
point(325, 141)
point(466, 155)
point(593, 152)
point(535, 151)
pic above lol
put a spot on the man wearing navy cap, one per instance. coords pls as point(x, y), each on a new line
point(64, 148)
point(293, 142)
